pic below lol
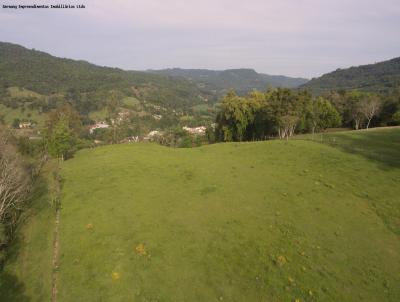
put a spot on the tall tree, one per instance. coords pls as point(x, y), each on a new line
point(63, 129)
point(236, 114)
point(286, 109)
point(370, 107)
point(61, 140)
point(322, 114)
point(15, 181)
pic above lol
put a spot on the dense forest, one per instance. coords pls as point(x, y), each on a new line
point(33, 83)
point(383, 77)
point(86, 86)
point(80, 81)
point(219, 82)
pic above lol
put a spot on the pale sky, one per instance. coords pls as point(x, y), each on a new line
point(290, 37)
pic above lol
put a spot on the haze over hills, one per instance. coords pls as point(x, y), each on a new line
point(379, 77)
point(241, 80)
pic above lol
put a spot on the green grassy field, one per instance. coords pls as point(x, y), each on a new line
point(18, 92)
point(267, 221)
point(11, 114)
point(131, 102)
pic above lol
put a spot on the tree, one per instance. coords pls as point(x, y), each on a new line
point(370, 107)
point(235, 116)
point(322, 115)
point(355, 112)
point(15, 123)
point(68, 114)
point(63, 129)
point(61, 140)
point(15, 181)
point(396, 117)
point(285, 108)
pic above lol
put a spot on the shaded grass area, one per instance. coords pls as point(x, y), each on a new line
point(26, 275)
point(378, 144)
point(382, 147)
point(268, 221)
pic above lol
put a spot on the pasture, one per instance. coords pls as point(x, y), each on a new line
point(297, 220)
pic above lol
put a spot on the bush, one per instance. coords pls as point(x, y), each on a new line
point(396, 117)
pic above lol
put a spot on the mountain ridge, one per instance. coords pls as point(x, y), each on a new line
point(242, 80)
point(378, 77)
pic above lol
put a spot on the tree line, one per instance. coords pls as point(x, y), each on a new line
point(20, 164)
point(282, 112)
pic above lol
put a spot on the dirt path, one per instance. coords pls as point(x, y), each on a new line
point(55, 257)
point(56, 236)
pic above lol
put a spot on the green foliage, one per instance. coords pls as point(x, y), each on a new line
point(178, 138)
point(49, 80)
point(61, 140)
point(322, 115)
point(131, 102)
point(63, 129)
point(30, 147)
point(236, 114)
point(215, 83)
point(15, 123)
point(354, 106)
point(258, 115)
point(378, 78)
point(396, 117)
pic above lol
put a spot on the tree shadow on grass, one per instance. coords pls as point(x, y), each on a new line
point(11, 289)
point(379, 145)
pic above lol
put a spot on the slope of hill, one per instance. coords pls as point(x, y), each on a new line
point(275, 221)
point(48, 75)
point(242, 80)
point(378, 77)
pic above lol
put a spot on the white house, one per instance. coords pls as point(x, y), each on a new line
point(98, 125)
point(152, 135)
point(196, 130)
point(25, 125)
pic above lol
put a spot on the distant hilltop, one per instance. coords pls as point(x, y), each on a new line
point(242, 80)
point(379, 77)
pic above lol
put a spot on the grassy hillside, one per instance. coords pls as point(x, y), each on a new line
point(42, 82)
point(235, 222)
point(378, 77)
point(242, 80)
point(267, 221)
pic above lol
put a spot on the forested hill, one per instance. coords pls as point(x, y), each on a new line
point(47, 75)
point(378, 77)
point(241, 80)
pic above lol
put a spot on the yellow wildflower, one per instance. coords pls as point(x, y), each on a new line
point(115, 275)
point(140, 249)
point(281, 260)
